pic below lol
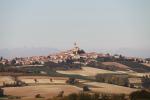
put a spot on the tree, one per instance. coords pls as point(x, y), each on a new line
point(35, 80)
point(146, 82)
point(86, 88)
point(13, 62)
point(1, 58)
point(72, 81)
point(140, 95)
point(1, 92)
point(38, 96)
point(81, 51)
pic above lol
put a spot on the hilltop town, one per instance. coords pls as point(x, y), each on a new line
point(74, 69)
point(76, 55)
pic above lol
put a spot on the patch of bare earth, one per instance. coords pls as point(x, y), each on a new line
point(116, 64)
point(86, 71)
point(46, 91)
point(6, 79)
point(140, 74)
point(42, 79)
point(109, 88)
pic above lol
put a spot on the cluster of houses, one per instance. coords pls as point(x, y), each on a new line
point(24, 61)
point(75, 53)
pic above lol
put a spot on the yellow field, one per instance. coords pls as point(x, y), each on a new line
point(6, 79)
point(44, 86)
point(139, 74)
point(42, 79)
point(46, 91)
point(86, 71)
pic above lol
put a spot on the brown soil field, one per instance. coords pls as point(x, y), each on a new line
point(45, 79)
point(46, 91)
point(110, 88)
point(140, 74)
point(42, 79)
point(148, 65)
point(6, 79)
point(86, 71)
point(116, 64)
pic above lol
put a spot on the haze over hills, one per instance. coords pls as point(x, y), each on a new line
point(26, 52)
point(134, 53)
point(125, 51)
point(43, 51)
point(94, 24)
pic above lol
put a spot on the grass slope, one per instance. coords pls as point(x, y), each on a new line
point(136, 66)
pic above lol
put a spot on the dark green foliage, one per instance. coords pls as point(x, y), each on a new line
point(102, 66)
point(84, 96)
point(118, 97)
point(2, 67)
point(131, 85)
point(1, 92)
point(146, 82)
point(13, 62)
point(91, 96)
point(86, 88)
point(140, 95)
point(81, 51)
point(135, 66)
point(113, 79)
point(63, 65)
point(72, 80)
point(73, 96)
point(1, 58)
point(104, 59)
point(13, 98)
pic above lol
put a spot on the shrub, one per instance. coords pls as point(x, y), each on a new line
point(86, 88)
point(38, 96)
point(1, 92)
point(72, 81)
point(139, 95)
point(73, 96)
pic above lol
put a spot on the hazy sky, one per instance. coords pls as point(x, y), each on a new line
point(96, 24)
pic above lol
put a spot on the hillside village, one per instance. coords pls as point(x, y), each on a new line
point(87, 70)
point(75, 54)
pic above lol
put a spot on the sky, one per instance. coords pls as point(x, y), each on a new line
point(109, 25)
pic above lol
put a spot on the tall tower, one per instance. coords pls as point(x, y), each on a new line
point(76, 48)
point(75, 44)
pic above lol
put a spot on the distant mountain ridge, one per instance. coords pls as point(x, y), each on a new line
point(26, 52)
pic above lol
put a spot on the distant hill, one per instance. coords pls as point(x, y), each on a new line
point(133, 52)
point(115, 64)
point(121, 66)
point(125, 65)
point(135, 66)
point(26, 52)
point(111, 66)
